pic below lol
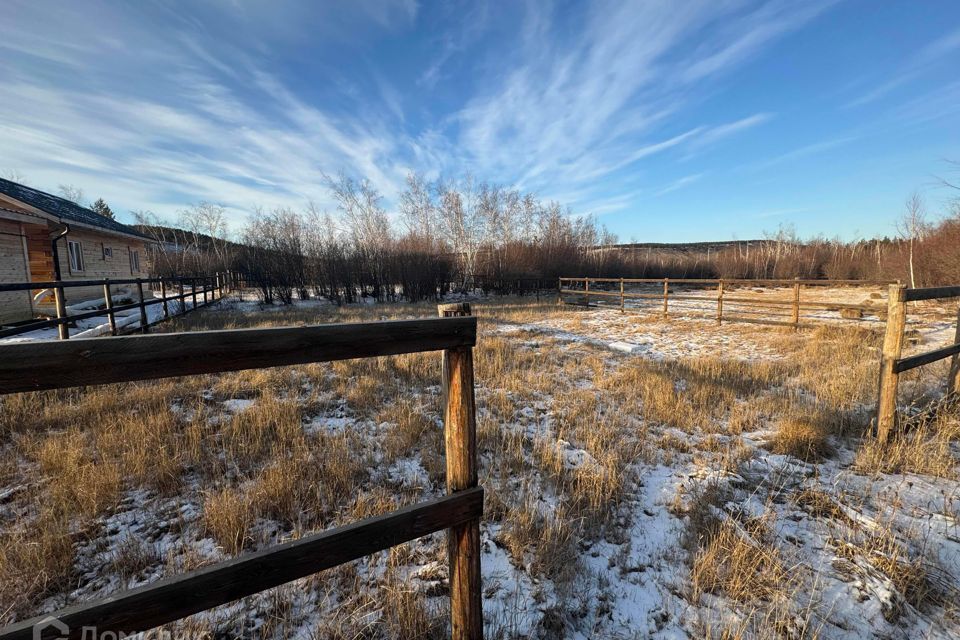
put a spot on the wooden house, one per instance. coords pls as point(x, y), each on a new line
point(45, 238)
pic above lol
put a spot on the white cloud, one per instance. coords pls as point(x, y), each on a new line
point(914, 68)
point(679, 183)
point(800, 152)
point(582, 108)
point(148, 106)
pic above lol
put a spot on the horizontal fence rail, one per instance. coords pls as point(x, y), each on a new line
point(725, 298)
point(177, 597)
point(768, 281)
point(931, 293)
point(200, 290)
point(56, 365)
point(892, 364)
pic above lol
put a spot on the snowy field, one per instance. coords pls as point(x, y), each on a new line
point(645, 477)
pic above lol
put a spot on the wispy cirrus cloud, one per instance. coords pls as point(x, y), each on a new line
point(185, 119)
point(584, 108)
point(800, 152)
point(912, 69)
point(158, 105)
point(679, 183)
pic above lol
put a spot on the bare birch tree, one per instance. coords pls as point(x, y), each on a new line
point(912, 227)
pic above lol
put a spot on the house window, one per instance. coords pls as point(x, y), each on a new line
point(134, 261)
point(76, 256)
point(107, 252)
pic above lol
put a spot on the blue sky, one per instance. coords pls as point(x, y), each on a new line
point(671, 121)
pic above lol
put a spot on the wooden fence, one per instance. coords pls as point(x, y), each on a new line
point(615, 290)
point(57, 364)
point(892, 364)
point(201, 290)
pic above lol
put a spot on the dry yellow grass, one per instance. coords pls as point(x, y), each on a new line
point(228, 515)
point(925, 446)
point(731, 561)
point(803, 439)
point(569, 421)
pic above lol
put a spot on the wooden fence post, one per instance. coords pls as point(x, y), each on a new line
point(892, 349)
point(586, 292)
point(559, 290)
point(206, 284)
point(466, 607)
point(720, 302)
point(193, 292)
point(163, 294)
point(183, 300)
point(108, 303)
point(621, 295)
point(666, 294)
point(953, 380)
point(63, 331)
point(796, 303)
point(143, 308)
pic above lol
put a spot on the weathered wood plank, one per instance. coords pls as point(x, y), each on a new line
point(953, 377)
point(180, 596)
point(53, 365)
point(67, 284)
point(892, 349)
point(460, 438)
point(905, 364)
point(743, 281)
point(931, 293)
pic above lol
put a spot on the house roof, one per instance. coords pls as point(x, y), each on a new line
point(64, 210)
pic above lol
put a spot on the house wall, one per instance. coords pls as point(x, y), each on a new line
point(96, 267)
point(40, 252)
point(14, 305)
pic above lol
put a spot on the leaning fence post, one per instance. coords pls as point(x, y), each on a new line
point(720, 302)
point(666, 294)
point(953, 381)
point(892, 349)
point(63, 331)
point(586, 292)
point(466, 609)
point(621, 295)
point(143, 308)
point(796, 303)
point(108, 303)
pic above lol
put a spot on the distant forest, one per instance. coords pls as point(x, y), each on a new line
point(457, 235)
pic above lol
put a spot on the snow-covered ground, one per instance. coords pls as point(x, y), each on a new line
point(825, 520)
point(690, 330)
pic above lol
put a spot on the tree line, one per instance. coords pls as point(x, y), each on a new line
point(458, 235)
point(447, 236)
